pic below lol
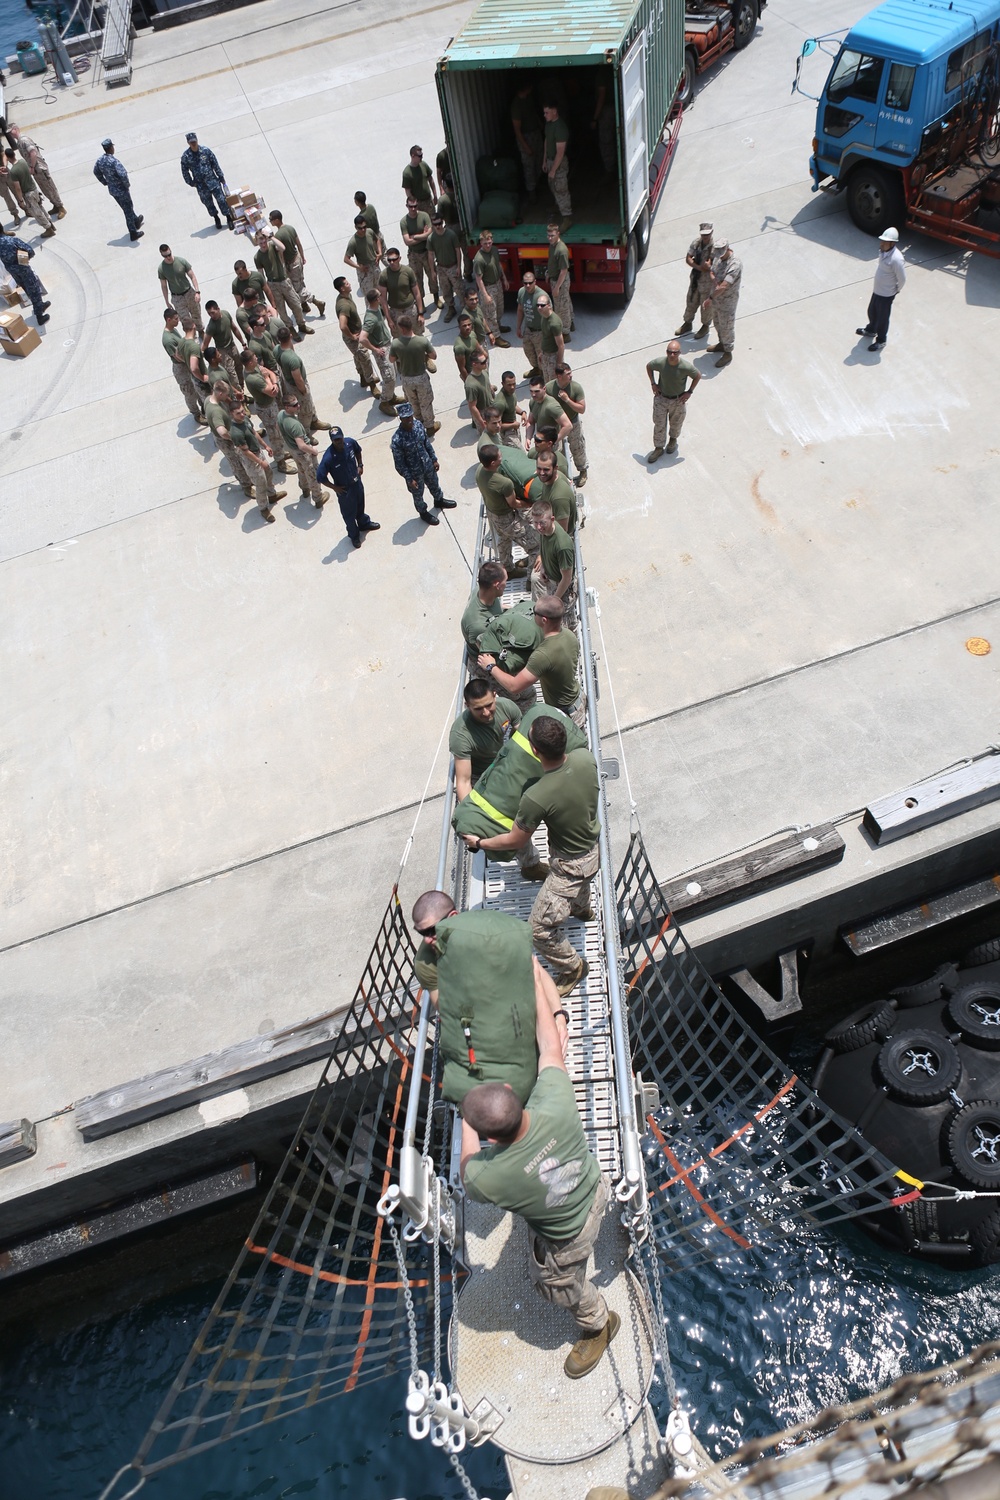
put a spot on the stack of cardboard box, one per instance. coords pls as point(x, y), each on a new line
point(15, 335)
point(247, 209)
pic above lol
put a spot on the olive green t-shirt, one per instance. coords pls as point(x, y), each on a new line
point(477, 389)
point(471, 739)
point(175, 274)
point(270, 261)
point(20, 173)
point(575, 393)
point(527, 300)
point(415, 223)
point(264, 350)
point(558, 261)
point(288, 235)
point(557, 454)
point(494, 486)
point(348, 308)
point(290, 362)
point(545, 412)
point(479, 327)
point(506, 404)
point(671, 380)
point(486, 265)
point(251, 287)
point(186, 348)
point(466, 346)
point(562, 497)
point(549, 1176)
point(370, 217)
point(256, 388)
point(217, 415)
point(411, 354)
point(557, 553)
point(362, 248)
point(400, 284)
point(446, 247)
point(172, 338)
point(555, 131)
point(551, 329)
point(447, 210)
point(477, 616)
point(418, 181)
point(554, 664)
point(565, 800)
point(292, 428)
point(243, 435)
point(220, 330)
point(484, 439)
point(377, 328)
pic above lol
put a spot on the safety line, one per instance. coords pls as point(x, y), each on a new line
point(699, 1198)
point(633, 809)
point(298, 1265)
point(650, 949)
point(718, 1150)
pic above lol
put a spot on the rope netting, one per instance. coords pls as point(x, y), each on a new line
point(740, 1146)
point(315, 1306)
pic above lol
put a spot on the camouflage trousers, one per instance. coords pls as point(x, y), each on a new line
point(531, 160)
point(559, 183)
point(242, 470)
point(7, 193)
point(699, 287)
point(263, 486)
point(531, 343)
point(667, 410)
point(287, 302)
point(308, 483)
point(420, 266)
point(565, 893)
point(509, 529)
point(297, 277)
point(548, 364)
point(510, 437)
point(188, 305)
point(492, 307)
point(387, 371)
point(46, 185)
point(577, 446)
point(419, 392)
point(234, 372)
point(540, 586)
point(367, 281)
point(182, 375)
point(307, 408)
point(268, 414)
point(559, 1271)
point(395, 313)
point(36, 208)
point(451, 286)
point(562, 306)
point(362, 359)
point(724, 320)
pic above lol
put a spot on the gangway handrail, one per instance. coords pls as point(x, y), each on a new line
point(633, 1180)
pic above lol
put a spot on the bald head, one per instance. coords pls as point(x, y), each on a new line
point(550, 610)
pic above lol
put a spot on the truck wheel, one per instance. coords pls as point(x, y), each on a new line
point(744, 22)
point(874, 199)
point(631, 267)
point(688, 76)
point(642, 234)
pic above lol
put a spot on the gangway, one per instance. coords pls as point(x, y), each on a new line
point(506, 1344)
point(116, 46)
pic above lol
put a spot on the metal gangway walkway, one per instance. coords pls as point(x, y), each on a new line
point(506, 1344)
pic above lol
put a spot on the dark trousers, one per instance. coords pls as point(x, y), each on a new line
point(429, 477)
point(879, 311)
point(211, 193)
point(29, 282)
point(352, 508)
point(124, 201)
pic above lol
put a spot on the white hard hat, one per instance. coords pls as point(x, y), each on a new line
point(891, 235)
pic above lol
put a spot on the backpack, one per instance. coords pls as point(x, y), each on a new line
point(511, 637)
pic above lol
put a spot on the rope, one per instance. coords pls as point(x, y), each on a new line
point(128, 1493)
point(633, 809)
point(449, 719)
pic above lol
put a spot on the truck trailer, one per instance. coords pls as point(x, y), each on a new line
point(907, 122)
point(622, 60)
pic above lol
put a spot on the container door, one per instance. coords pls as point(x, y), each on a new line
point(633, 76)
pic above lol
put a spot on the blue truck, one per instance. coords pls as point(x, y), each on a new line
point(907, 123)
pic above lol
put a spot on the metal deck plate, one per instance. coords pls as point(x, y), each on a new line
point(632, 1462)
point(508, 1346)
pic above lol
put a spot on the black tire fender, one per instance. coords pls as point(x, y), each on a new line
point(985, 1239)
point(919, 1067)
point(982, 953)
point(872, 1023)
point(942, 982)
point(974, 1143)
point(974, 1009)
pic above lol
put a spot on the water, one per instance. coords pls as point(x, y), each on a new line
point(757, 1342)
point(17, 23)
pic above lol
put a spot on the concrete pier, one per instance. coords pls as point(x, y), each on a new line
point(216, 732)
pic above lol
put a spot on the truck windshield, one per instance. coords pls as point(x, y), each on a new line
point(856, 76)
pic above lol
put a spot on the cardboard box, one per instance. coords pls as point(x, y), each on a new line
point(22, 346)
point(13, 296)
point(12, 325)
point(249, 200)
point(232, 199)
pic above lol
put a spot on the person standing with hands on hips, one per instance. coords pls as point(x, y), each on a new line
point(668, 380)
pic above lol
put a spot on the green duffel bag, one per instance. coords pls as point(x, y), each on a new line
point(486, 1001)
point(498, 174)
point(498, 211)
point(517, 466)
point(511, 637)
point(491, 806)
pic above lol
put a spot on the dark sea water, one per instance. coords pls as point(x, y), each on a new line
point(757, 1341)
point(16, 24)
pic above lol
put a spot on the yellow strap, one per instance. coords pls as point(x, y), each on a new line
point(488, 807)
point(524, 742)
point(913, 1181)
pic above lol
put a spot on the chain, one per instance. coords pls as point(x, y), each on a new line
point(654, 1301)
point(411, 1317)
point(437, 1280)
point(467, 1484)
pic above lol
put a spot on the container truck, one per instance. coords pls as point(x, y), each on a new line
point(907, 125)
point(633, 50)
point(711, 29)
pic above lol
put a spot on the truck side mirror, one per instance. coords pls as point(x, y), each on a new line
point(809, 47)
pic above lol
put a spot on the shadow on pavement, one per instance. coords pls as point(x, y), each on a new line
point(409, 532)
point(302, 513)
point(344, 549)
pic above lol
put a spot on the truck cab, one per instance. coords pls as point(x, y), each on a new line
point(906, 77)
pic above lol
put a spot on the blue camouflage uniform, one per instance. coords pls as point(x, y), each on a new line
point(341, 468)
point(414, 457)
point(109, 170)
point(23, 275)
point(200, 169)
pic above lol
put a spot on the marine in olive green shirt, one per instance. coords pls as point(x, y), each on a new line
point(551, 329)
point(557, 554)
point(445, 246)
point(411, 354)
point(495, 488)
point(471, 739)
point(565, 800)
point(219, 331)
point(346, 307)
point(575, 393)
point(478, 391)
point(554, 663)
point(400, 283)
point(558, 262)
point(477, 615)
point(175, 274)
point(362, 249)
point(418, 181)
point(671, 379)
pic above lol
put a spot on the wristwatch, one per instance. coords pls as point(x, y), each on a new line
point(565, 1015)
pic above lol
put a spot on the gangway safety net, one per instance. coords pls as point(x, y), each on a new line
point(713, 1144)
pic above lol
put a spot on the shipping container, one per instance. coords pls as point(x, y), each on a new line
point(567, 50)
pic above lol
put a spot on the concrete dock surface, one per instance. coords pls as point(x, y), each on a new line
point(217, 732)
